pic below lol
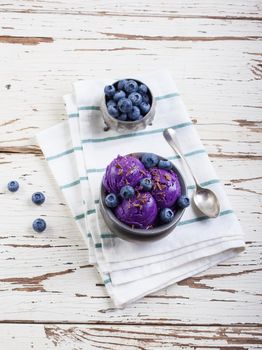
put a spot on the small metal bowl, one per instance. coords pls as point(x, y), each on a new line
point(133, 234)
point(127, 126)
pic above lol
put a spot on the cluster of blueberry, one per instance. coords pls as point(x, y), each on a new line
point(39, 225)
point(128, 100)
point(149, 160)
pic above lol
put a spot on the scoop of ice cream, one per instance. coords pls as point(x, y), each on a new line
point(139, 211)
point(166, 188)
point(126, 170)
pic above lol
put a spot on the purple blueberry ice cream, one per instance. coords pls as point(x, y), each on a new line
point(139, 211)
point(126, 170)
point(166, 187)
point(141, 193)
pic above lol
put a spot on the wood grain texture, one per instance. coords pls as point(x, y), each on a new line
point(118, 337)
point(213, 49)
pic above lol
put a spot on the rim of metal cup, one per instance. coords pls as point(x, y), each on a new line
point(147, 118)
point(134, 234)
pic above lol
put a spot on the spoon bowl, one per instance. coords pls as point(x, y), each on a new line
point(205, 200)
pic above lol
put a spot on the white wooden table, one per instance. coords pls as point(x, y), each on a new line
point(50, 297)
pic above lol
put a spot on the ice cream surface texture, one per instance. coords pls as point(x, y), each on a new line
point(123, 170)
point(139, 211)
point(166, 188)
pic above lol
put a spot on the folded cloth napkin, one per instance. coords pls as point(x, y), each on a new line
point(78, 151)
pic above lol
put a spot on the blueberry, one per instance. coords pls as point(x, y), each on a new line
point(127, 192)
point(125, 105)
point(166, 215)
point(113, 111)
point(38, 198)
point(39, 225)
point(183, 202)
point(149, 160)
point(111, 200)
point(109, 90)
point(111, 103)
point(165, 164)
point(134, 114)
point(123, 117)
point(131, 86)
point(121, 84)
point(143, 89)
point(136, 98)
point(13, 186)
point(145, 98)
point(144, 107)
point(146, 184)
point(118, 95)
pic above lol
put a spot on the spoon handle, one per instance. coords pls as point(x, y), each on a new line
point(172, 143)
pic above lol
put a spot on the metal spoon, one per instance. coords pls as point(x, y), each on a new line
point(205, 200)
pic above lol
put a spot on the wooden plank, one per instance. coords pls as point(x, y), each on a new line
point(153, 28)
point(118, 337)
point(212, 10)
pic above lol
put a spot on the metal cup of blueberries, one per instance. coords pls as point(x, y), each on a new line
point(142, 196)
point(128, 105)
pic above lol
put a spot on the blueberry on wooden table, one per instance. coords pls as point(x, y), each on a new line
point(39, 225)
point(38, 198)
point(13, 186)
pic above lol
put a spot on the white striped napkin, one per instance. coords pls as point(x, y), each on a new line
point(78, 152)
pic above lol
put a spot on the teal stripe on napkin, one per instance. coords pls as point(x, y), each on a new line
point(202, 218)
point(204, 184)
point(64, 153)
point(174, 94)
point(74, 183)
point(135, 134)
point(81, 216)
point(73, 115)
point(89, 108)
